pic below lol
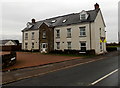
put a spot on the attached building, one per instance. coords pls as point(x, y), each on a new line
point(77, 31)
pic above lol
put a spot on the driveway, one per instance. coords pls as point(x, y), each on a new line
point(27, 59)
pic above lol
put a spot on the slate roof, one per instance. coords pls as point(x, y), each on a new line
point(73, 18)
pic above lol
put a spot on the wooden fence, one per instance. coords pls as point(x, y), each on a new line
point(10, 48)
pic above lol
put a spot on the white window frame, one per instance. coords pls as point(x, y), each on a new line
point(69, 33)
point(83, 16)
point(82, 31)
point(26, 36)
point(81, 46)
point(42, 44)
point(58, 45)
point(33, 34)
point(57, 34)
point(44, 34)
point(26, 45)
point(100, 46)
point(69, 44)
point(33, 45)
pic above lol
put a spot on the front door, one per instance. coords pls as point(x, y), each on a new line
point(43, 47)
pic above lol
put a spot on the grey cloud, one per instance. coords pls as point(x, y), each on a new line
point(15, 15)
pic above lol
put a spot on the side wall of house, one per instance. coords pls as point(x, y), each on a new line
point(99, 30)
point(29, 41)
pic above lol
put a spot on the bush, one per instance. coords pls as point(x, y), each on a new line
point(110, 49)
point(56, 52)
point(90, 52)
point(73, 52)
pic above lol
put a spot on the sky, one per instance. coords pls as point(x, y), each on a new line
point(16, 14)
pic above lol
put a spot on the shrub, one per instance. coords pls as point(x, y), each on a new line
point(90, 52)
point(110, 49)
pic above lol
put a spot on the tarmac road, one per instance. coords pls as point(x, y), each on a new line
point(99, 73)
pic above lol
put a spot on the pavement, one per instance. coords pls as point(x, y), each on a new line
point(17, 75)
point(98, 71)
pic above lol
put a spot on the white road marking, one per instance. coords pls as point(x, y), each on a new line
point(104, 77)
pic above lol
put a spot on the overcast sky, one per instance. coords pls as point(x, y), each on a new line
point(16, 13)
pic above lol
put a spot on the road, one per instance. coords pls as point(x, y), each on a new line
point(98, 73)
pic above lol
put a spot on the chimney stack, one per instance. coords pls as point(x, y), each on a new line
point(96, 6)
point(33, 20)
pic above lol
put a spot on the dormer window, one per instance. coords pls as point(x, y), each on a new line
point(83, 15)
point(53, 21)
point(29, 25)
point(64, 20)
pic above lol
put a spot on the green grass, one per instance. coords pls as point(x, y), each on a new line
point(113, 46)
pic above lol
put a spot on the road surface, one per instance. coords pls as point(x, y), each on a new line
point(98, 73)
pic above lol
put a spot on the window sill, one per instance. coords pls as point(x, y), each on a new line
point(83, 36)
point(43, 38)
point(68, 37)
point(57, 37)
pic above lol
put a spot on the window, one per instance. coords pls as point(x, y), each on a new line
point(82, 31)
point(64, 20)
point(26, 44)
point(44, 34)
point(43, 45)
point(26, 36)
point(58, 45)
point(83, 16)
point(69, 33)
point(101, 46)
point(100, 31)
point(32, 35)
point(53, 21)
point(32, 45)
point(58, 33)
point(83, 46)
point(69, 45)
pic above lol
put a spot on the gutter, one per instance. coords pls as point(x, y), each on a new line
point(22, 39)
point(39, 39)
point(90, 36)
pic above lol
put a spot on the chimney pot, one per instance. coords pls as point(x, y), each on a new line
point(33, 20)
point(96, 6)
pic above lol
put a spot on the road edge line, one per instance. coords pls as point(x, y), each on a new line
point(100, 79)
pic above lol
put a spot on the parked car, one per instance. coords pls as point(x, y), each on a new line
point(8, 59)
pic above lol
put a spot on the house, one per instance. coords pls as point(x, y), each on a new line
point(77, 31)
point(9, 45)
point(8, 42)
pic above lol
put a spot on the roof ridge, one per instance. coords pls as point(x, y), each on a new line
point(60, 16)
